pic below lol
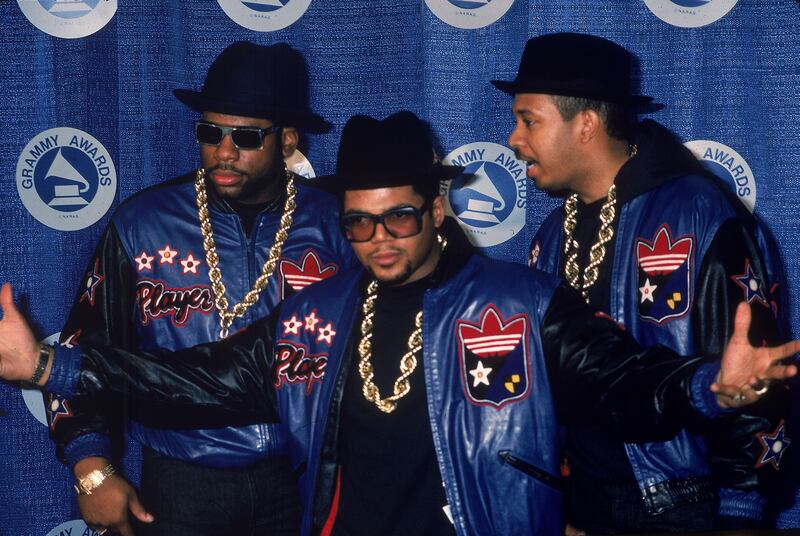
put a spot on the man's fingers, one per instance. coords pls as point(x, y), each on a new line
point(741, 324)
point(7, 300)
point(784, 350)
point(139, 511)
point(124, 529)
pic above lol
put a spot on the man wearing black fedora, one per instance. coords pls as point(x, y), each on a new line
point(190, 261)
point(651, 238)
point(429, 401)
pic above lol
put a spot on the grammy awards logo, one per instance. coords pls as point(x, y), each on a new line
point(264, 15)
point(68, 18)
point(489, 198)
point(469, 14)
point(690, 13)
point(729, 166)
point(66, 179)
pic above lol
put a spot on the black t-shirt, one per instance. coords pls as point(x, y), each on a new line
point(390, 480)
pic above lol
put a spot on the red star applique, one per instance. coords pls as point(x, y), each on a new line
point(312, 321)
point(190, 264)
point(167, 255)
point(292, 326)
point(326, 334)
point(144, 261)
point(92, 281)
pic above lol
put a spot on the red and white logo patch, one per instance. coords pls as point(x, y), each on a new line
point(494, 357)
point(664, 275)
point(295, 276)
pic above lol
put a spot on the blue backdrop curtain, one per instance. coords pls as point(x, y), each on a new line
point(733, 82)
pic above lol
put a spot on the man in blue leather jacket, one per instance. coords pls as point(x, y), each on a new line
point(186, 262)
point(654, 240)
point(422, 391)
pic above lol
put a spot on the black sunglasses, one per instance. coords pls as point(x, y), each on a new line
point(399, 222)
point(247, 138)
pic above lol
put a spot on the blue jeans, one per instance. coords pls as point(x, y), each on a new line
point(194, 500)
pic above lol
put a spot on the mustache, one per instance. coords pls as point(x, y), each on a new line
point(225, 166)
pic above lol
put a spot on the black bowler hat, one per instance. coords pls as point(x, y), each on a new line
point(577, 65)
point(268, 82)
point(396, 151)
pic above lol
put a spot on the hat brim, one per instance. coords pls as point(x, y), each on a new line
point(641, 103)
point(341, 183)
point(305, 120)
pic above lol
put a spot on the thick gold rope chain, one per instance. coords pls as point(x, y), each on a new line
point(226, 317)
point(608, 212)
point(408, 363)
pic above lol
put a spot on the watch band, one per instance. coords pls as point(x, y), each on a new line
point(44, 357)
point(91, 481)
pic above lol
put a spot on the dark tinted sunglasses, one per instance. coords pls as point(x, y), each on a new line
point(399, 222)
point(248, 138)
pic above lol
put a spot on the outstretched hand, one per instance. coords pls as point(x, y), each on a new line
point(746, 371)
point(19, 349)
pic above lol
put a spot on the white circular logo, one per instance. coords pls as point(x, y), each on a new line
point(298, 163)
point(729, 166)
point(33, 397)
point(489, 198)
point(690, 13)
point(66, 178)
point(76, 527)
point(69, 19)
point(264, 15)
point(469, 14)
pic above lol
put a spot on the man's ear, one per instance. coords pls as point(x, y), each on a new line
point(437, 211)
point(590, 125)
point(289, 140)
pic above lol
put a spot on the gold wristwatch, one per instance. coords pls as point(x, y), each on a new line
point(90, 481)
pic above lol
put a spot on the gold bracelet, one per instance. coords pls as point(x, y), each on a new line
point(91, 481)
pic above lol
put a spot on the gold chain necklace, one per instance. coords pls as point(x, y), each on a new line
point(226, 317)
point(608, 212)
point(408, 363)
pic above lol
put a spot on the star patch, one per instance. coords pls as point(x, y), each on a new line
point(167, 255)
point(93, 280)
point(752, 285)
point(144, 261)
point(57, 408)
point(326, 334)
point(292, 326)
point(664, 275)
point(312, 321)
point(298, 276)
point(190, 264)
point(494, 358)
point(773, 446)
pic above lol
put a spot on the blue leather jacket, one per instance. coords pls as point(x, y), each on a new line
point(684, 254)
point(497, 441)
point(147, 287)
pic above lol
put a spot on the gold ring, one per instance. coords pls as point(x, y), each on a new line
point(739, 397)
point(760, 387)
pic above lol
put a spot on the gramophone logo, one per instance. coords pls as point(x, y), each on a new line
point(690, 13)
point(264, 15)
point(66, 179)
point(469, 14)
point(489, 198)
point(68, 18)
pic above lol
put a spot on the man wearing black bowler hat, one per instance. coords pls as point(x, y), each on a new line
point(651, 238)
point(429, 399)
point(190, 261)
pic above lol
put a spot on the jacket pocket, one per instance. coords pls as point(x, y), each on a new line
point(550, 480)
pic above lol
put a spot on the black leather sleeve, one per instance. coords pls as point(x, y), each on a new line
point(101, 315)
point(598, 372)
point(224, 383)
point(733, 442)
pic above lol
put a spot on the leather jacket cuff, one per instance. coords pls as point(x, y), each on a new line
point(65, 372)
point(86, 446)
point(703, 400)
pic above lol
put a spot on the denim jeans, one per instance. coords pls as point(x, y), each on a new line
point(188, 499)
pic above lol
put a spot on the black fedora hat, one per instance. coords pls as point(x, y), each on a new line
point(396, 151)
point(269, 82)
point(577, 65)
